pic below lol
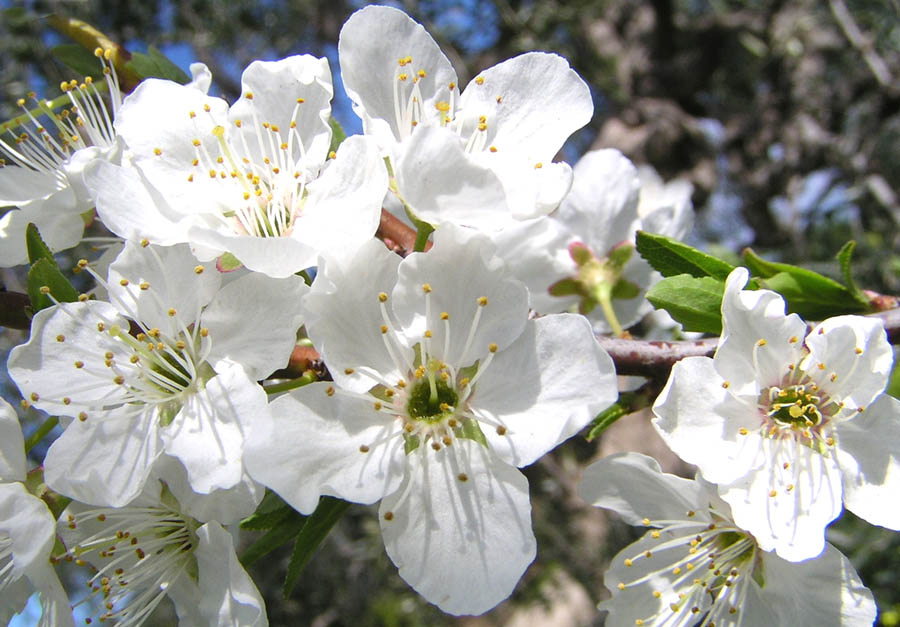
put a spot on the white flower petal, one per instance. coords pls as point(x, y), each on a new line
point(701, 421)
point(853, 377)
point(442, 184)
point(869, 459)
point(12, 444)
point(635, 487)
point(823, 591)
point(59, 230)
point(254, 321)
point(369, 67)
point(227, 594)
point(535, 100)
point(787, 509)
point(476, 273)
point(106, 460)
point(340, 446)
point(758, 339)
point(461, 544)
point(207, 435)
point(544, 388)
point(343, 317)
point(269, 94)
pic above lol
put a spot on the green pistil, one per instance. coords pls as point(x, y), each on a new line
point(427, 398)
point(794, 405)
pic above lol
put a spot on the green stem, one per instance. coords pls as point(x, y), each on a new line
point(603, 296)
point(423, 231)
point(293, 384)
point(41, 431)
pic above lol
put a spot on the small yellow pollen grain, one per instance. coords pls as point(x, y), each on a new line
point(479, 80)
point(79, 364)
point(821, 366)
point(426, 287)
point(204, 332)
point(538, 165)
point(119, 380)
point(436, 446)
point(858, 350)
point(377, 405)
point(157, 151)
point(794, 339)
point(860, 409)
point(743, 431)
point(171, 312)
point(428, 333)
point(483, 301)
point(389, 515)
point(773, 493)
point(726, 384)
point(60, 338)
point(66, 400)
point(445, 315)
point(492, 347)
point(501, 430)
point(382, 297)
point(621, 586)
point(198, 269)
point(493, 149)
point(462, 477)
point(44, 289)
point(384, 329)
point(829, 441)
point(676, 571)
point(628, 562)
point(363, 448)
point(761, 342)
point(329, 390)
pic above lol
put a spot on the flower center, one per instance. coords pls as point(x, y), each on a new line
point(794, 405)
point(431, 400)
point(694, 568)
point(136, 553)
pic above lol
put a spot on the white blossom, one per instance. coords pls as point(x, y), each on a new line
point(442, 386)
point(254, 180)
point(696, 566)
point(169, 365)
point(479, 158)
point(789, 424)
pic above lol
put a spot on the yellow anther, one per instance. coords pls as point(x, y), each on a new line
point(493, 149)
point(773, 493)
point(123, 282)
point(157, 151)
point(204, 332)
point(426, 287)
point(482, 301)
point(479, 80)
point(628, 562)
point(389, 516)
point(382, 297)
point(60, 338)
point(119, 380)
point(331, 155)
point(44, 289)
point(462, 477)
point(377, 406)
point(482, 126)
point(101, 327)
point(329, 390)
point(442, 105)
point(421, 73)
point(402, 77)
point(428, 334)
point(538, 165)
point(501, 430)
point(858, 350)
point(363, 448)
point(743, 431)
point(384, 329)
point(82, 416)
point(726, 384)
point(621, 586)
point(492, 347)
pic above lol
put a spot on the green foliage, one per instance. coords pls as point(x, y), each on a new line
point(317, 526)
point(286, 529)
point(809, 294)
point(156, 65)
point(45, 274)
point(78, 58)
point(694, 302)
point(670, 257)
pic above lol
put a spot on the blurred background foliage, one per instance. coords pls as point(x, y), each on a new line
point(785, 116)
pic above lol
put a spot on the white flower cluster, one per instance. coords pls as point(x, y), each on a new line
point(447, 370)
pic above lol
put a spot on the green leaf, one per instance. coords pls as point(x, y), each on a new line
point(671, 258)
point(44, 273)
point(605, 419)
point(35, 245)
point(283, 532)
point(317, 527)
point(156, 65)
point(844, 258)
point(269, 513)
point(79, 59)
point(337, 134)
point(809, 294)
point(694, 302)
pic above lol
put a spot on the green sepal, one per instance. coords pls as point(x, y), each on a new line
point(337, 134)
point(156, 65)
point(78, 58)
point(580, 253)
point(565, 287)
point(34, 484)
point(280, 534)
point(317, 527)
point(35, 245)
point(471, 430)
point(410, 443)
point(586, 306)
point(618, 257)
point(695, 302)
point(45, 272)
point(671, 258)
point(228, 263)
point(809, 294)
point(625, 289)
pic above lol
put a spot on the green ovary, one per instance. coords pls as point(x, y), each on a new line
point(427, 398)
point(794, 405)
